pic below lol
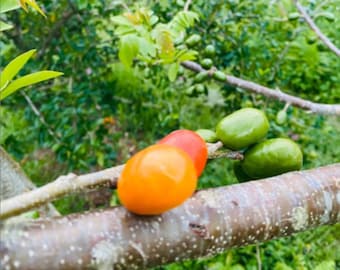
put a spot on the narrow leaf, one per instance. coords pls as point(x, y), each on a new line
point(172, 72)
point(8, 5)
point(5, 26)
point(28, 80)
point(32, 4)
point(14, 67)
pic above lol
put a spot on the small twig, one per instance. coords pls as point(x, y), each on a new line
point(317, 31)
point(41, 117)
point(258, 257)
point(67, 184)
point(320, 108)
point(55, 30)
point(187, 4)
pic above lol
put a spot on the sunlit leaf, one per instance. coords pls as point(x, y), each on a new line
point(14, 67)
point(128, 49)
point(28, 80)
point(5, 26)
point(32, 4)
point(8, 5)
point(186, 55)
point(183, 20)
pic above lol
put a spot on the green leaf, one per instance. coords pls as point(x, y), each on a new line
point(172, 72)
point(325, 265)
point(5, 26)
point(8, 5)
point(183, 20)
point(128, 49)
point(186, 55)
point(14, 67)
point(28, 80)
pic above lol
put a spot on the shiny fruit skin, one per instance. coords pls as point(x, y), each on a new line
point(201, 77)
point(193, 40)
point(219, 76)
point(272, 157)
point(242, 128)
point(207, 63)
point(207, 135)
point(156, 179)
point(209, 50)
point(281, 117)
point(192, 144)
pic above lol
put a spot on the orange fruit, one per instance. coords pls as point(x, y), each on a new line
point(156, 179)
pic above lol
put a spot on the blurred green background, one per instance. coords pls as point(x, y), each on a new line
point(101, 112)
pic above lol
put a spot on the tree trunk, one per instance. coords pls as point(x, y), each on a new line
point(210, 222)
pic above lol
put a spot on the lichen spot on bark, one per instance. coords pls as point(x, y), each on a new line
point(104, 255)
point(210, 199)
point(299, 218)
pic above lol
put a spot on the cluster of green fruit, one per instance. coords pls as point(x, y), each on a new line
point(206, 63)
point(246, 130)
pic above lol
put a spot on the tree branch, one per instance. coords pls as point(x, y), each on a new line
point(73, 183)
point(316, 30)
point(40, 116)
point(273, 94)
point(187, 4)
point(14, 181)
point(210, 222)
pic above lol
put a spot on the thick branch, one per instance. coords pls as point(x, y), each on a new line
point(271, 93)
point(316, 30)
point(13, 181)
point(210, 222)
point(74, 183)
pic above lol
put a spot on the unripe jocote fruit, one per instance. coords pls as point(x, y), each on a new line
point(219, 76)
point(207, 63)
point(207, 135)
point(209, 50)
point(272, 157)
point(193, 40)
point(242, 128)
point(192, 144)
point(156, 179)
point(201, 77)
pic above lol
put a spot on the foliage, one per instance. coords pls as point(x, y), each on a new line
point(102, 111)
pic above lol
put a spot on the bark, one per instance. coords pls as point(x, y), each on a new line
point(13, 181)
point(319, 108)
point(210, 222)
point(316, 29)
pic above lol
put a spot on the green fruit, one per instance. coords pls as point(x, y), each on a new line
point(201, 77)
point(281, 117)
point(207, 135)
point(220, 76)
point(272, 157)
point(200, 88)
point(209, 50)
point(239, 173)
point(193, 40)
point(242, 128)
point(207, 63)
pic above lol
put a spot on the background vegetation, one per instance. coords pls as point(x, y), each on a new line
point(100, 112)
